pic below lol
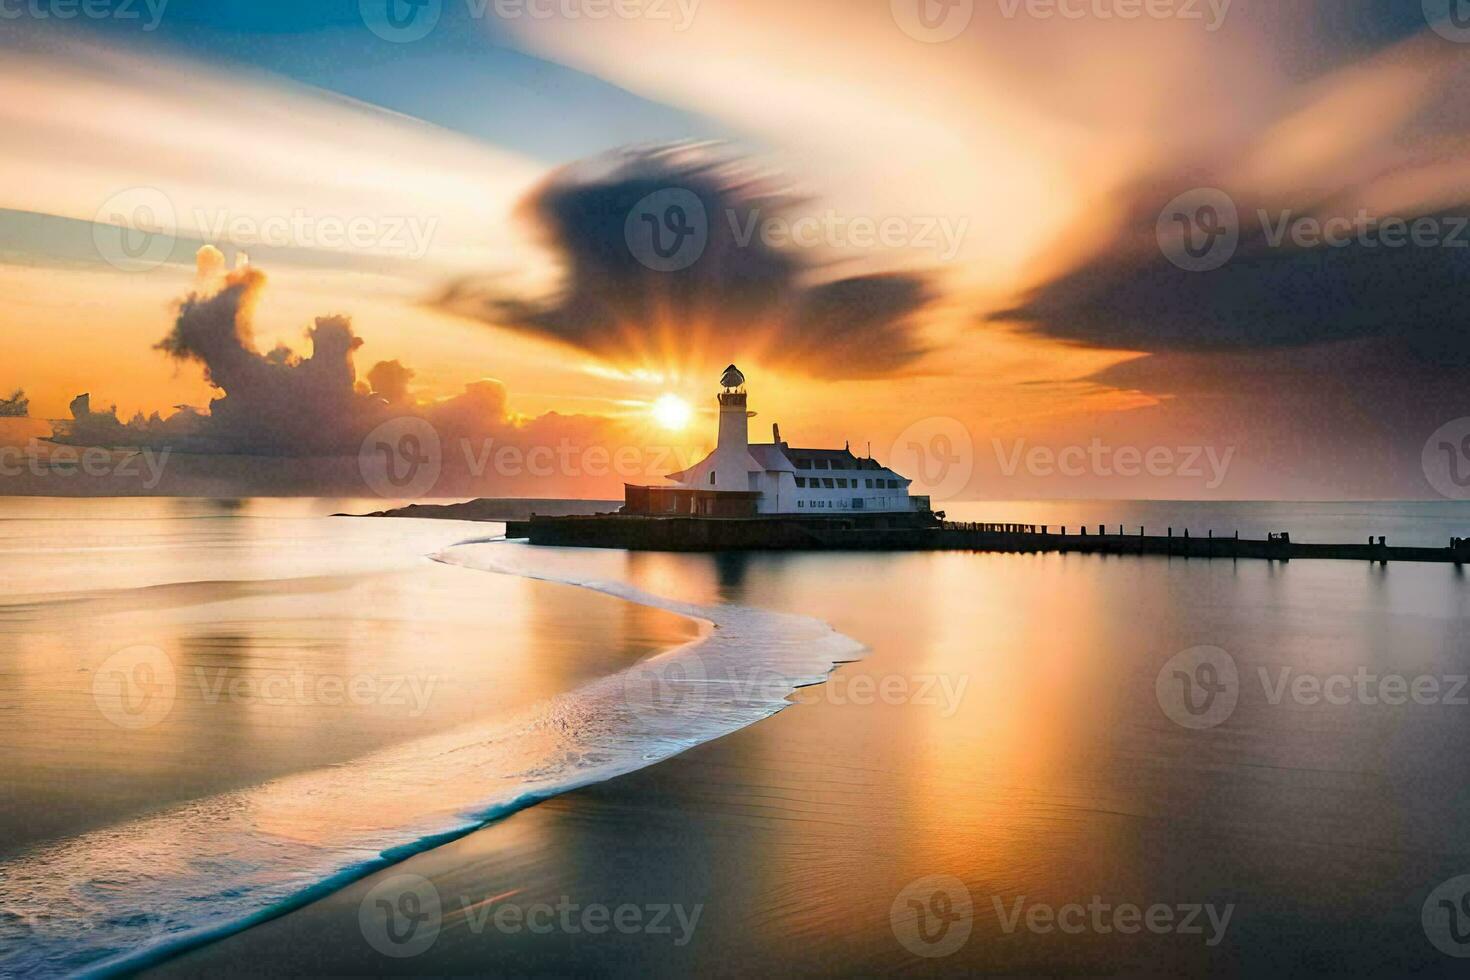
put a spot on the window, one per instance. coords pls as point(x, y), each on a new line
point(869, 484)
point(842, 484)
point(822, 464)
point(893, 484)
point(801, 482)
point(827, 482)
point(803, 464)
point(711, 479)
point(801, 503)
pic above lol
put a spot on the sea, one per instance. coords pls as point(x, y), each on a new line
point(215, 711)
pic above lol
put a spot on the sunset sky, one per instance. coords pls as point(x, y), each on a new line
point(917, 211)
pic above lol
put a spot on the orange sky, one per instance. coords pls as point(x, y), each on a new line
point(1024, 134)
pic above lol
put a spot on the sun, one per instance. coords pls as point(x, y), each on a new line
point(672, 412)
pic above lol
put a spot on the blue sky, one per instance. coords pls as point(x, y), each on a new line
point(465, 75)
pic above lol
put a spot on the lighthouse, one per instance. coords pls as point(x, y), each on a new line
point(731, 465)
point(740, 480)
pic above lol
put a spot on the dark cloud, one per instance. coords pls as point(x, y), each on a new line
point(17, 406)
point(742, 296)
point(1268, 295)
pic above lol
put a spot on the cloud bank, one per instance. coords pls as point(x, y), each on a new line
point(298, 422)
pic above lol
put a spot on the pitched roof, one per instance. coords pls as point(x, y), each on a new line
point(772, 458)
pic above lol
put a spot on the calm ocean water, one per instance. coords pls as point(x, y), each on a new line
point(216, 711)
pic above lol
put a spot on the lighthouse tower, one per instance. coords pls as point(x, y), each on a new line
point(732, 464)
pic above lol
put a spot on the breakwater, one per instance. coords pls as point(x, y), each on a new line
point(636, 533)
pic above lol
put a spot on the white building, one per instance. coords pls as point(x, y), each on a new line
point(740, 479)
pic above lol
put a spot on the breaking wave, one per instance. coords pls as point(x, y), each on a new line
point(126, 896)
